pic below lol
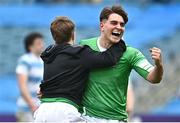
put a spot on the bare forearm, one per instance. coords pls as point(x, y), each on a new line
point(24, 90)
point(26, 95)
point(155, 76)
point(130, 100)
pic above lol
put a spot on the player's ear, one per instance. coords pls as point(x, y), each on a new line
point(73, 37)
point(102, 26)
point(102, 23)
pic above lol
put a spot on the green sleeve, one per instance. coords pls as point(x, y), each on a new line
point(140, 64)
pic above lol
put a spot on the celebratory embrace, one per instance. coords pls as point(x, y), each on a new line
point(101, 96)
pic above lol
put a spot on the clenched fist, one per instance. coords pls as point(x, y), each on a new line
point(156, 56)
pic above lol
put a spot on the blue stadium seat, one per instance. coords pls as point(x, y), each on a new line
point(9, 93)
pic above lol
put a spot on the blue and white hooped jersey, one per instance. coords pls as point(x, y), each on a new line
point(32, 66)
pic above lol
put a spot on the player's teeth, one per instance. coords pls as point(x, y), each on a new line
point(117, 32)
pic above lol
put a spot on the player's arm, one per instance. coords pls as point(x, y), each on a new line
point(22, 76)
point(155, 75)
point(94, 59)
point(151, 73)
point(22, 81)
point(130, 99)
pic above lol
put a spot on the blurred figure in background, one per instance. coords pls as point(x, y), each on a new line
point(29, 72)
point(130, 100)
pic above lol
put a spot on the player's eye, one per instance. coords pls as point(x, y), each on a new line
point(122, 24)
point(114, 23)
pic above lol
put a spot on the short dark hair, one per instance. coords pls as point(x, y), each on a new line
point(62, 29)
point(107, 11)
point(29, 40)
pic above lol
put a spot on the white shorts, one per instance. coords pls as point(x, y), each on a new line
point(57, 112)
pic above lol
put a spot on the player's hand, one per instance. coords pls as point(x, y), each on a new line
point(34, 108)
point(156, 56)
point(39, 94)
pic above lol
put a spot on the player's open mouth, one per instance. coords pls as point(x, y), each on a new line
point(117, 34)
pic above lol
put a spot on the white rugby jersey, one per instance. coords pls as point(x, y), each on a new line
point(32, 66)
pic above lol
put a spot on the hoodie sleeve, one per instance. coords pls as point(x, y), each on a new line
point(93, 59)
